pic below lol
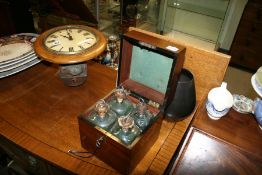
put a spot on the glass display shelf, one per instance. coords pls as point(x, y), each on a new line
point(216, 8)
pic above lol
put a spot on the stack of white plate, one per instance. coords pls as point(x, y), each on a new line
point(17, 53)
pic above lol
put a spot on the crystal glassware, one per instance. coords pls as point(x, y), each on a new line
point(142, 115)
point(128, 131)
point(120, 103)
point(112, 42)
point(102, 116)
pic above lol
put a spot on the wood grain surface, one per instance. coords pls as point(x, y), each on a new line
point(230, 145)
point(39, 113)
point(236, 128)
point(206, 154)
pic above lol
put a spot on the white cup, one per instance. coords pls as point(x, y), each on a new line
point(219, 102)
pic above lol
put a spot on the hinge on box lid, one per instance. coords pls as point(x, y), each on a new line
point(154, 104)
point(149, 102)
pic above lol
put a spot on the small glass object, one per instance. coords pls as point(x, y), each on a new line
point(142, 116)
point(112, 42)
point(107, 58)
point(112, 46)
point(102, 115)
point(128, 131)
point(120, 103)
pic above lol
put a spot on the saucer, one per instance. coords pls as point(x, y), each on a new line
point(255, 85)
point(213, 113)
point(242, 104)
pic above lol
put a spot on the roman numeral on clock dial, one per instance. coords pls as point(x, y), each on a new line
point(53, 36)
point(71, 49)
point(53, 46)
point(51, 41)
point(81, 47)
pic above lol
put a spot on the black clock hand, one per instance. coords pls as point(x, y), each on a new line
point(69, 35)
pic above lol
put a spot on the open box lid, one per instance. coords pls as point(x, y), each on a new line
point(149, 66)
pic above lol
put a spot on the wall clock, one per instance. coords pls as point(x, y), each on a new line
point(70, 46)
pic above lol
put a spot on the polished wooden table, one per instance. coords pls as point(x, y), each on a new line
point(230, 145)
point(39, 114)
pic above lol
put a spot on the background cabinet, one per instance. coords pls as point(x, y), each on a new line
point(246, 47)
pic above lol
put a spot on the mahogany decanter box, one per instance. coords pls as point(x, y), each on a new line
point(120, 128)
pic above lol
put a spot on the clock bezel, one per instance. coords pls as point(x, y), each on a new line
point(61, 58)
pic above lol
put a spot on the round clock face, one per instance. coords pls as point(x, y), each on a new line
point(70, 40)
point(70, 44)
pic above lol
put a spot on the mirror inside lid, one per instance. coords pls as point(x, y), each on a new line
point(149, 66)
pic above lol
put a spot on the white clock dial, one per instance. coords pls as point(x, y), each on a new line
point(70, 44)
point(70, 41)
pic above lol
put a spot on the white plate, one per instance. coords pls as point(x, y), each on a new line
point(255, 86)
point(19, 69)
point(30, 37)
point(33, 35)
point(18, 64)
point(16, 61)
point(17, 46)
point(14, 50)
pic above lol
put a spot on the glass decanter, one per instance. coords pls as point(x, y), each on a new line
point(102, 116)
point(128, 131)
point(120, 103)
point(142, 115)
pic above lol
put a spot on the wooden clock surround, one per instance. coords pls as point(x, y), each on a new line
point(73, 68)
point(50, 56)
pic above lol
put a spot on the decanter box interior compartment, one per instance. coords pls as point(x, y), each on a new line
point(120, 128)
